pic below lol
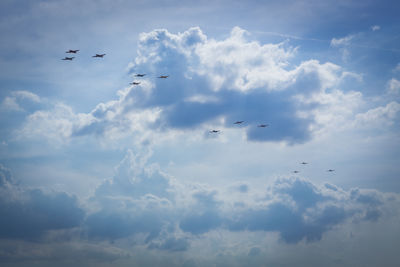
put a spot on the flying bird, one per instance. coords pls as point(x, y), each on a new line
point(238, 122)
point(163, 76)
point(304, 163)
point(330, 170)
point(295, 171)
point(68, 58)
point(99, 55)
point(214, 131)
point(72, 51)
point(135, 83)
point(263, 125)
point(140, 75)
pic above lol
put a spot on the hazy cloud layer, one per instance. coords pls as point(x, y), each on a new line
point(143, 207)
point(149, 202)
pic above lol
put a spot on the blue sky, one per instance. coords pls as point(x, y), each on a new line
point(94, 170)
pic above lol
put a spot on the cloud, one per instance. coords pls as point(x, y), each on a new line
point(335, 42)
point(171, 244)
point(21, 101)
point(344, 44)
point(397, 68)
point(211, 82)
point(384, 116)
point(394, 86)
point(6, 178)
point(136, 200)
point(142, 209)
point(171, 215)
point(30, 213)
point(375, 28)
point(54, 125)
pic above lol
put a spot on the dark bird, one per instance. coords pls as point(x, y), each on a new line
point(214, 131)
point(295, 171)
point(304, 163)
point(135, 83)
point(99, 55)
point(72, 51)
point(238, 122)
point(330, 170)
point(163, 76)
point(68, 58)
point(263, 125)
point(140, 75)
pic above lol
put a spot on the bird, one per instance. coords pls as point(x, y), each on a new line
point(99, 55)
point(72, 51)
point(238, 122)
point(214, 131)
point(330, 170)
point(135, 83)
point(163, 76)
point(68, 58)
point(295, 171)
point(304, 163)
point(140, 75)
point(262, 125)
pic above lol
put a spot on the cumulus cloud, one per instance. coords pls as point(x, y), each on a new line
point(211, 83)
point(170, 215)
point(144, 208)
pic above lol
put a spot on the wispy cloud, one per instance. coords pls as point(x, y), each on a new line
point(394, 86)
point(375, 28)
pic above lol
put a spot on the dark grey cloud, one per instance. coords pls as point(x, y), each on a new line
point(171, 244)
point(140, 199)
point(108, 225)
point(142, 207)
point(30, 213)
point(200, 223)
point(302, 211)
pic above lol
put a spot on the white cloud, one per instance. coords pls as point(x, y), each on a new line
point(394, 86)
point(375, 28)
point(237, 64)
point(14, 101)
point(210, 75)
point(335, 42)
point(211, 84)
point(27, 95)
point(10, 103)
point(384, 116)
point(54, 125)
point(397, 68)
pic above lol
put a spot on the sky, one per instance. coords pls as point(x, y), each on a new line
point(96, 171)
